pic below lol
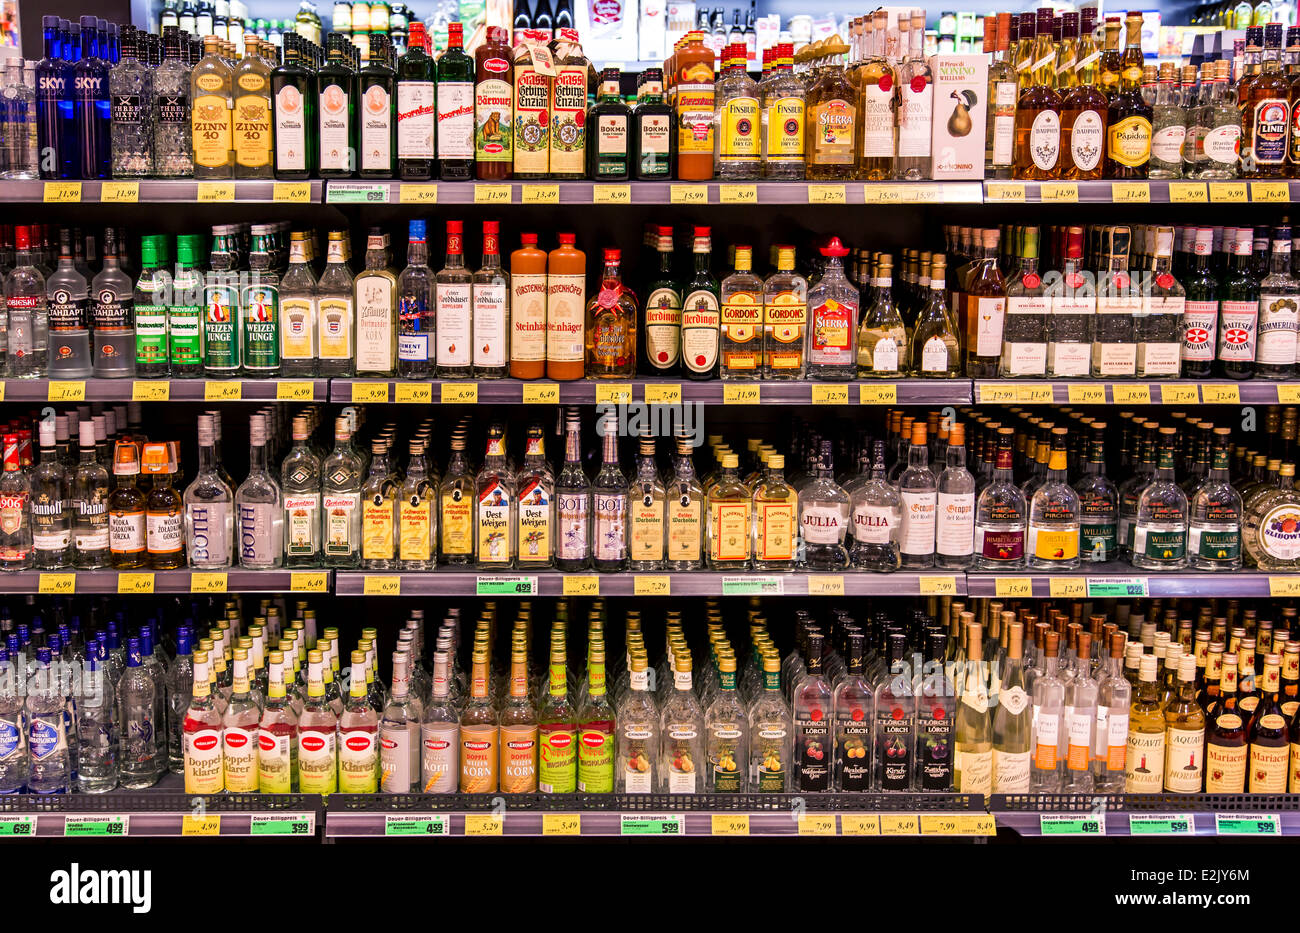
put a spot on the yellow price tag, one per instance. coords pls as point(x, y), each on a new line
point(885, 393)
point(611, 194)
point(381, 586)
point(201, 825)
point(151, 391)
point(540, 194)
point(826, 194)
point(825, 586)
point(977, 824)
point(1231, 394)
point(937, 586)
point(993, 393)
point(738, 194)
point(663, 393)
point(733, 394)
point(655, 585)
point(946, 824)
point(67, 392)
point(613, 393)
point(688, 194)
point(561, 824)
point(882, 194)
point(860, 824)
point(57, 584)
point(119, 192)
point(817, 824)
point(1286, 394)
point(414, 393)
point(62, 192)
point(1004, 191)
point(917, 194)
point(417, 194)
point(295, 191)
point(588, 585)
point(492, 194)
point(541, 393)
point(208, 582)
point(1283, 586)
point(1187, 192)
point(209, 191)
point(1067, 587)
point(460, 393)
point(1007, 587)
point(830, 394)
point(1179, 395)
point(1130, 192)
point(135, 583)
point(1035, 394)
point(369, 392)
point(1230, 192)
point(899, 824)
point(2, 390)
point(1058, 192)
point(1130, 394)
point(222, 391)
point(1087, 395)
point(730, 824)
point(484, 824)
point(1270, 192)
point(308, 582)
point(294, 391)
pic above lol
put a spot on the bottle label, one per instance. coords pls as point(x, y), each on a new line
point(395, 759)
point(210, 120)
point(493, 535)
point(955, 533)
point(376, 129)
point(700, 330)
point(489, 325)
point(918, 522)
point(812, 751)
point(1269, 764)
point(894, 745)
point(655, 135)
point(203, 762)
point(111, 312)
point(1047, 739)
point(776, 533)
point(493, 128)
point(126, 110)
point(164, 532)
point(565, 317)
point(610, 533)
point(416, 113)
point(914, 111)
point(596, 760)
point(934, 356)
point(663, 323)
point(1079, 723)
point(1087, 140)
point(740, 131)
point(1276, 330)
point(341, 516)
point(335, 325)
point(822, 524)
point(1045, 140)
point(455, 119)
point(742, 322)
point(438, 757)
point(1270, 131)
point(1279, 532)
point(252, 125)
point(208, 541)
point(1200, 325)
point(832, 143)
point(1167, 144)
point(684, 525)
point(300, 524)
point(478, 759)
point(528, 317)
point(67, 313)
point(934, 740)
point(376, 321)
point(785, 122)
point(557, 768)
point(974, 772)
point(1053, 545)
point(317, 757)
point(1097, 540)
point(1222, 144)
point(126, 532)
point(984, 322)
point(298, 330)
point(150, 335)
point(377, 528)
point(568, 121)
point(875, 524)
point(261, 314)
point(274, 763)
point(220, 319)
point(647, 524)
point(611, 140)
point(1214, 545)
point(832, 324)
point(1010, 772)
point(878, 118)
point(884, 356)
point(574, 526)
point(454, 302)
point(239, 760)
point(1006, 546)
point(415, 528)
point(183, 327)
point(358, 754)
point(290, 130)
point(1184, 761)
point(518, 767)
point(1129, 141)
point(457, 522)
point(532, 128)
point(695, 111)
point(257, 545)
point(1003, 115)
point(785, 319)
point(534, 533)
point(1225, 765)
point(1160, 545)
point(730, 531)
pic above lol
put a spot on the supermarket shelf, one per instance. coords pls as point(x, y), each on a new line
point(162, 390)
point(161, 190)
point(1171, 392)
point(652, 192)
point(1151, 815)
point(1116, 580)
point(654, 391)
point(451, 582)
point(68, 582)
point(1140, 192)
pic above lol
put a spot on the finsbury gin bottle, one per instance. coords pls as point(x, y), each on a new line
point(259, 507)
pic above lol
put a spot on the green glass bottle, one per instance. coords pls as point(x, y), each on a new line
point(1201, 312)
point(260, 308)
point(608, 156)
point(184, 314)
point(294, 100)
point(221, 307)
point(336, 98)
point(1238, 311)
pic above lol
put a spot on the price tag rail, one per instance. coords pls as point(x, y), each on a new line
point(126, 582)
point(1121, 580)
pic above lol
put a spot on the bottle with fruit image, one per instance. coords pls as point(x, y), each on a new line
point(770, 732)
point(727, 732)
point(681, 730)
point(811, 704)
point(895, 720)
point(638, 730)
point(936, 713)
point(852, 703)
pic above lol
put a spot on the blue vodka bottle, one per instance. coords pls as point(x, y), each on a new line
point(93, 107)
point(56, 125)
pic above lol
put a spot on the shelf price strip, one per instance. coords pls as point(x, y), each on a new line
point(1116, 587)
point(753, 586)
point(97, 826)
point(1061, 824)
point(18, 827)
point(505, 586)
point(282, 824)
point(417, 824)
point(1252, 824)
point(561, 824)
point(665, 825)
point(1162, 824)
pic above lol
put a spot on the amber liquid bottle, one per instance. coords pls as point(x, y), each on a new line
point(566, 301)
point(1083, 116)
point(986, 308)
point(1038, 113)
point(1264, 106)
point(528, 309)
point(830, 123)
point(1112, 61)
point(1128, 134)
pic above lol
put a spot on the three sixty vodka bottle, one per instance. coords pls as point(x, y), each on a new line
point(259, 506)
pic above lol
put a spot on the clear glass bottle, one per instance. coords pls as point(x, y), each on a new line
point(811, 709)
point(785, 319)
point(1013, 717)
point(876, 515)
point(738, 148)
point(141, 760)
point(1053, 542)
point(776, 508)
point(453, 287)
point(1160, 533)
point(935, 345)
point(415, 308)
point(1046, 769)
point(973, 740)
point(494, 511)
point(727, 541)
point(298, 311)
point(783, 118)
point(375, 301)
point(417, 518)
point(89, 500)
point(378, 497)
point(647, 504)
point(681, 733)
point(824, 516)
point(1214, 515)
point(832, 320)
point(685, 512)
point(895, 720)
point(439, 731)
point(172, 147)
point(535, 490)
point(259, 506)
point(164, 519)
point(637, 751)
point(955, 515)
point(1080, 721)
point(1098, 502)
point(68, 304)
point(358, 735)
point(1269, 536)
point(1168, 126)
point(1159, 325)
point(882, 337)
point(490, 292)
point(742, 320)
point(1119, 300)
point(300, 481)
point(1024, 334)
point(609, 505)
point(1276, 349)
point(340, 487)
point(49, 506)
point(336, 312)
point(915, 106)
point(727, 734)
point(918, 494)
point(317, 734)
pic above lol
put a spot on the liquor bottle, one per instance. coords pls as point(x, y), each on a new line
point(1184, 734)
point(298, 349)
point(493, 125)
point(663, 310)
point(130, 88)
point(1002, 95)
point(727, 733)
point(935, 348)
point(568, 108)
point(1279, 299)
point(882, 337)
point(535, 512)
point(150, 311)
point(876, 79)
point(490, 291)
point(974, 737)
point(1145, 759)
point(875, 512)
point(647, 505)
point(741, 320)
point(1268, 736)
point(775, 514)
point(259, 305)
point(811, 707)
point(700, 330)
point(455, 101)
point(1160, 537)
point(830, 125)
point(557, 767)
point(1168, 126)
point(164, 532)
point(596, 724)
point(259, 506)
point(239, 721)
point(785, 319)
point(985, 308)
point(317, 734)
point(609, 505)
point(27, 312)
point(379, 511)
point(566, 291)
point(1098, 501)
point(1046, 768)
point(220, 319)
point(1072, 301)
point(211, 102)
point(89, 495)
point(1201, 308)
point(919, 498)
point(300, 482)
point(340, 479)
point(1214, 510)
point(1158, 328)
point(1128, 118)
point(337, 109)
point(439, 731)
point(185, 314)
point(1226, 731)
point(376, 85)
point(1012, 720)
point(112, 314)
point(1220, 127)
point(832, 320)
point(202, 728)
point(637, 742)
point(479, 756)
point(494, 513)
point(251, 132)
point(415, 308)
point(126, 511)
point(610, 329)
point(527, 309)
point(417, 527)
point(1114, 345)
point(1263, 103)
point(915, 106)
point(358, 735)
point(1054, 515)
point(895, 720)
point(455, 309)
point(1083, 109)
point(531, 97)
point(685, 506)
point(49, 516)
point(728, 535)
point(955, 514)
point(852, 701)
point(296, 130)
point(208, 504)
point(781, 96)
point(55, 114)
point(693, 95)
point(1080, 721)
point(739, 123)
point(1000, 514)
point(653, 140)
point(68, 304)
point(140, 758)
point(1024, 334)
point(1114, 695)
point(1038, 111)
point(824, 515)
point(96, 726)
point(91, 102)
point(609, 159)
point(376, 310)
point(416, 109)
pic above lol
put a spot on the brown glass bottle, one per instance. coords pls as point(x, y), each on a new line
point(985, 307)
point(1038, 112)
point(1083, 118)
point(493, 124)
point(1128, 119)
point(1264, 114)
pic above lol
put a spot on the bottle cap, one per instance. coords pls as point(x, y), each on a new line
point(126, 459)
point(834, 248)
point(155, 459)
point(417, 230)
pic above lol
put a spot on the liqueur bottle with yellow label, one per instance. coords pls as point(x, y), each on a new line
point(775, 516)
point(417, 522)
point(531, 133)
point(251, 127)
point(210, 94)
point(494, 508)
point(831, 123)
point(456, 498)
point(693, 88)
point(1145, 760)
point(739, 124)
point(783, 119)
point(378, 512)
point(742, 320)
point(1054, 515)
point(568, 109)
point(729, 508)
point(1185, 734)
point(647, 502)
point(1128, 119)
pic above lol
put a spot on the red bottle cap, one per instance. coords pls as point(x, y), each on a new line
point(703, 231)
point(455, 226)
point(567, 239)
point(22, 238)
point(455, 35)
point(835, 248)
point(613, 255)
point(528, 239)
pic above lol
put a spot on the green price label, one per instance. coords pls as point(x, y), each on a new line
point(1115, 587)
point(289, 824)
point(653, 826)
point(1162, 824)
point(1062, 825)
point(17, 827)
point(506, 586)
point(1255, 824)
point(753, 586)
point(83, 827)
point(353, 193)
point(423, 825)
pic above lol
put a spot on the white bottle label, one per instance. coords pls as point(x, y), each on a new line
point(489, 325)
point(934, 356)
point(918, 522)
point(1200, 325)
point(1045, 140)
point(1004, 123)
point(988, 332)
point(884, 356)
point(335, 144)
point(413, 348)
point(1010, 772)
point(164, 533)
point(955, 528)
point(416, 111)
point(820, 524)
point(290, 130)
point(1167, 144)
point(439, 767)
point(1087, 140)
point(611, 526)
point(375, 323)
point(528, 317)
point(1222, 144)
point(1276, 331)
point(875, 524)
point(376, 129)
point(916, 107)
point(455, 119)
point(565, 317)
point(453, 324)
